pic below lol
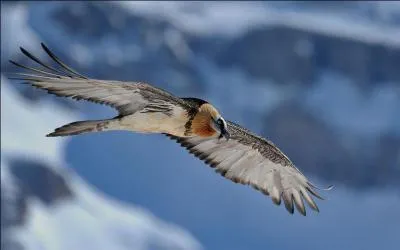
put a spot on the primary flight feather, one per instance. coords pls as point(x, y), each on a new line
point(234, 152)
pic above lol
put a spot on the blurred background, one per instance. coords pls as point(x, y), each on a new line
point(319, 79)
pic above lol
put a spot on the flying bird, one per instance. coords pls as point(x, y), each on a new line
point(233, 151)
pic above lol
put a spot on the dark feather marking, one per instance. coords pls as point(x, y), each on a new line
point(314, 193)
point(277, 200)
point(168, 110)
point(265, 147)
point(288, 200)
point(194, 104)
point(214, 164)
point(300, 207)
point(202, 156)
point(221, 171)
point(209, 161)
point(26, 53)
point(63, 65)
point(157, 95)
point(311, 202)
point(188, 125)
point(34, 70)
point(264, 191)
point(235, 179)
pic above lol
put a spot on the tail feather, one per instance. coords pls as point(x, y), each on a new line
point(80, 127)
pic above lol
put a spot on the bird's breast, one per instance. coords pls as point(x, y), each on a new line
point(157, 122)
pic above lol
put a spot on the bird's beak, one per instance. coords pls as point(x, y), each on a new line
point(222, 129)
point(225, 133)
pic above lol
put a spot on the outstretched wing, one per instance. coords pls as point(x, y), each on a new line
point(249, 159)
point(126, 97)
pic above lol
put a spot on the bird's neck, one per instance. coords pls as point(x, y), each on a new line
point(201, 125)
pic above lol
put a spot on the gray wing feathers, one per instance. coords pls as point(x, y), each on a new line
point(251, 160)
point(126, 97)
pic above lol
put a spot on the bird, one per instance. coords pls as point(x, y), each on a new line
point(195, 124)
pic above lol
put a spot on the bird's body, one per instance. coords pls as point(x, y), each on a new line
point(197, 125)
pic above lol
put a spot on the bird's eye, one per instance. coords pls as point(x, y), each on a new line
point(221, 123)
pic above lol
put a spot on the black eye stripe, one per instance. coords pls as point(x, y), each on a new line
point(221, 122)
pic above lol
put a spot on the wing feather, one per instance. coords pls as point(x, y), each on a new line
point(126, 97)
point(249, 159)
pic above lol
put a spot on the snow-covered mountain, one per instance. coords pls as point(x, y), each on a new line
point(320, 80)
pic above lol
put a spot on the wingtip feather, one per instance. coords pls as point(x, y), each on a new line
point(330, 187)
point(24, 51)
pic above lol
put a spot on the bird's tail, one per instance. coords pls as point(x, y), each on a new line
point(80, 127)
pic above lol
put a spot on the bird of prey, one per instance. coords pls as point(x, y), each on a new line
point(233, 151)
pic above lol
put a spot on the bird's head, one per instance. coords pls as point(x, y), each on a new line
point(208, 122)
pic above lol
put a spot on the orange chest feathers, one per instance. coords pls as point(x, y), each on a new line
point(201, 125)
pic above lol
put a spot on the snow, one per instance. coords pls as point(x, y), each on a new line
point(89, 220)
point(234, 18)
point(354, 110)
point(94, 222)
point(201, 18)
point(15, 18)
point(30, 122)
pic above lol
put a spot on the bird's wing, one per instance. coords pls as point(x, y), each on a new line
point(249, 159)
point(126, 97)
